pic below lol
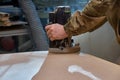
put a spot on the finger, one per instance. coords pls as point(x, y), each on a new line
point(49, 36)
point(47, 27)
point(49, 31)
point(52, 39)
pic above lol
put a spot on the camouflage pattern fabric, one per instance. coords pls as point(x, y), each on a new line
point(95, 14)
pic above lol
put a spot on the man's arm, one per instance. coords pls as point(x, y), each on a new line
point(91, 18)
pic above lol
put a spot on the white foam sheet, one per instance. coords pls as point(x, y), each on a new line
point(23, 70)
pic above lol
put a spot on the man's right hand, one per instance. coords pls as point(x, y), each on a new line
point(56, 32)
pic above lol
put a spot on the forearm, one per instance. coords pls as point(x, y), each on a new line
point(91, 18)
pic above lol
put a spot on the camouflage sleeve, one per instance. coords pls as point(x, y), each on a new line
point(92, 17)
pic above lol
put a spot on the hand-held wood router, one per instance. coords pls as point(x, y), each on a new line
point(61, 16)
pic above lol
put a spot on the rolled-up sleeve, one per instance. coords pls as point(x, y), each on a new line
point(91, 18)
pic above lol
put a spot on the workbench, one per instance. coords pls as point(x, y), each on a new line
point(26, 65)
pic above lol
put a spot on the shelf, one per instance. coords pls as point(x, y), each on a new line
point(13, 31)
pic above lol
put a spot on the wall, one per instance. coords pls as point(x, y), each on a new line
point(101, 42)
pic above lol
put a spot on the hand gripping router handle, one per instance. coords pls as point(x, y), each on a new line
point(61, 16)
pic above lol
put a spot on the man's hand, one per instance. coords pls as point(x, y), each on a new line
point(56, 32)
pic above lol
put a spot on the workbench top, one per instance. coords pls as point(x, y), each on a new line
point(32, 65)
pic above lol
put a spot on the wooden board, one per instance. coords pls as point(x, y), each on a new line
point(77, 67)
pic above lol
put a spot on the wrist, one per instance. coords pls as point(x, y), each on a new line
point(67, 31)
